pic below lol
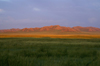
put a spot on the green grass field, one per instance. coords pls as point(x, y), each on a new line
point(49, 52)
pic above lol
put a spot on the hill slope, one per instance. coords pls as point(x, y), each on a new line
point(54, 28)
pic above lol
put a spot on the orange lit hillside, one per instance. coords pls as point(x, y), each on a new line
point(55, 31)
point(54, 28)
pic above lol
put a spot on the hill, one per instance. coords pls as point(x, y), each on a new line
point(54, 28)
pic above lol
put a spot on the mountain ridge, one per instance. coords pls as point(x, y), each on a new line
point(54, 28)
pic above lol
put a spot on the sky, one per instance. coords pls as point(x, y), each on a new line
point(39, 13)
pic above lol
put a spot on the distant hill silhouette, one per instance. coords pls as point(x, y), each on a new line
point(54, 28)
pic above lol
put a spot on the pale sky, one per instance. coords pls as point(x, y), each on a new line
point(39, 13)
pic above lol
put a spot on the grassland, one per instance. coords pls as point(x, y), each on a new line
point(53, 36)
point(83, 35)
point(49, 52)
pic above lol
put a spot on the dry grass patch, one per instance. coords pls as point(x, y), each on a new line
point(52, 36)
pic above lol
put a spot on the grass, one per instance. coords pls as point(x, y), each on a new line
point(52, 36)
point(49, 52)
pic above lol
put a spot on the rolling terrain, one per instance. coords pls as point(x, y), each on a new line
point(54, 28)
point(55, 31)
